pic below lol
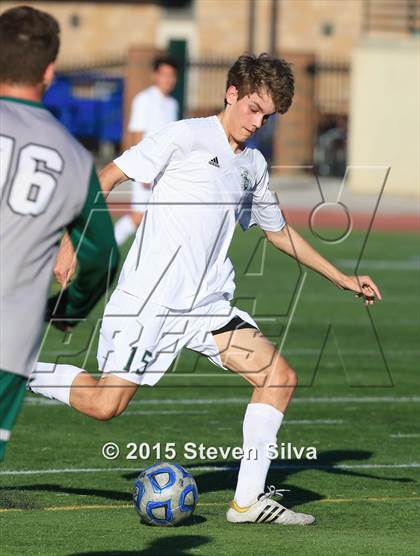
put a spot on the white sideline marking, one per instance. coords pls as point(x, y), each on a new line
point(389, 352)
point(223, 401)
point(313, 422)
point(304, 351)
point(404, 435)
point(381, 264)
point(165, 412)
point(209, 468)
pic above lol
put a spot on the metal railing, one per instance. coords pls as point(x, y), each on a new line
point(206, 80)
point(331, 85)
point(392, 16)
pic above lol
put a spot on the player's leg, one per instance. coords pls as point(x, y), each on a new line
point(129, 335)
point(109, 396)
point(12, 392)
point(100, 399)
point(247, 352)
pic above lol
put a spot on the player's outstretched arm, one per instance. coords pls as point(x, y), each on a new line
point(293, 244)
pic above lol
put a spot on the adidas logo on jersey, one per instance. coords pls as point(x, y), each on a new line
point(214, 162)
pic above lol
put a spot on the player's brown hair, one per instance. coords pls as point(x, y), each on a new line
point(164, 61)
point(250, 74)
point(29, 41)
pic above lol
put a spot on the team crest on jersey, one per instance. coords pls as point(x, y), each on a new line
point(246, 179)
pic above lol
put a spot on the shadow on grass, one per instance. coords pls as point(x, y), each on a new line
point(223, 477)
point(59, 489)
point(173, 545)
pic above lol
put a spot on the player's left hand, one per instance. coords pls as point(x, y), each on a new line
point(364, 287)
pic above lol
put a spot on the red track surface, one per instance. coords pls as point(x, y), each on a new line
point(360, 220)
point(333, 219)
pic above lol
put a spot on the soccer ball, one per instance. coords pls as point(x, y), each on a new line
point(164, 494)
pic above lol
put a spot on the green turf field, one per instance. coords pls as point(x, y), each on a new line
point(358, 404)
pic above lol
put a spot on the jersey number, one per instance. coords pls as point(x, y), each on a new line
point(33, 182)
point(145, 359)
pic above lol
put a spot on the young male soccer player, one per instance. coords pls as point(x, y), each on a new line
point(177, 280)
point(48, 182)
point(151, 110)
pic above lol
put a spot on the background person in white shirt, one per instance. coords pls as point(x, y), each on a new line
point(177, 282)
point(151, 110)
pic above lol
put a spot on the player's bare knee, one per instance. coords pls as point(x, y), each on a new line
point(105, 412)
point(281, 375)
point(292, 378)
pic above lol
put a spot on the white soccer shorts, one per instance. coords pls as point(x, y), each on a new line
point(139, 340)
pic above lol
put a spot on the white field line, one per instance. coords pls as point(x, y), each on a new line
point(201, 412)
point(227, 401)
point(296, 351)
point(9, 472)
point(313, 422)
point(165, 412)
point(381, 264)
point(404, 435)
point(407, 298)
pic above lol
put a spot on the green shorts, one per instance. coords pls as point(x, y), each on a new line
point(12, 392)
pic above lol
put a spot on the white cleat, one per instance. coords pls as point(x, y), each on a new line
point(267, 510)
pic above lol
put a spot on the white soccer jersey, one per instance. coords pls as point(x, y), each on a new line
point(151, 111)
point(179, 256)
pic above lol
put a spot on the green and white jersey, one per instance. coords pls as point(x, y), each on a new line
point(47, 183)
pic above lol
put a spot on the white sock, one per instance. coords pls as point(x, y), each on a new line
point(260, 428)
point(53, 381)
point(123, 229)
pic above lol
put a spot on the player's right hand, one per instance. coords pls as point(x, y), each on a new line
point(364, 287)
point(66, 262)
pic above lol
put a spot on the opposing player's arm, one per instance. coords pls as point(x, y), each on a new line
point(293, 244)
point(65, 262)
point(92, 236)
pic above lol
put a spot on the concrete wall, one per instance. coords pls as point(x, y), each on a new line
point(105, 31)
point(214, 28)
point(385, 115)
point(302, 26)
point(222, 27)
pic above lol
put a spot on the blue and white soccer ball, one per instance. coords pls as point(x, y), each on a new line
point(164, 494)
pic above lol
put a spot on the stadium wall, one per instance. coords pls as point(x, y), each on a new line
point(385, 115)
point(91, 32)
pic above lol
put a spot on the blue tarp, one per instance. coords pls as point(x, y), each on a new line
point(89, 105)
